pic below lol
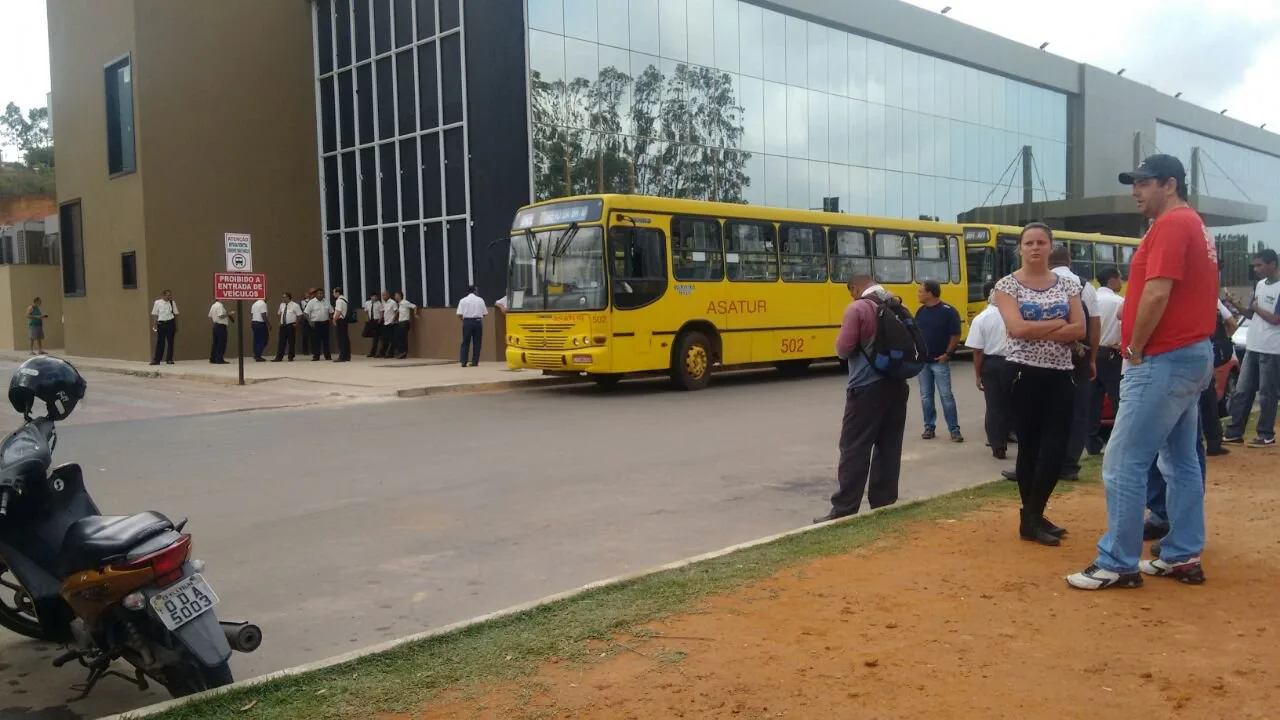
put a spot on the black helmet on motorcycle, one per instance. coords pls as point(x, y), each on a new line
point(49, 379)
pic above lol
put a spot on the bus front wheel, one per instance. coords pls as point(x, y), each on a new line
point(691, 361)
point(607, 381)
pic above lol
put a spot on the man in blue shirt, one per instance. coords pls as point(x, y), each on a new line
point(940, 325)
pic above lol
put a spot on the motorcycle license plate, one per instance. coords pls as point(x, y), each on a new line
point(184, 602)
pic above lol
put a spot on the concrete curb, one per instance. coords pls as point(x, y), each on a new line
point(495, 385)
point(500, 614)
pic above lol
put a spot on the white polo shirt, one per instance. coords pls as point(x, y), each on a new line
point(472, 307)
point(1109, 304)
point(340, 307)
point(259, 311)
point(390, 311)
point(405, 309)
point(987, 332)
point(218, 313)
point(289, 313)
point(164, 310)
point(317, 310)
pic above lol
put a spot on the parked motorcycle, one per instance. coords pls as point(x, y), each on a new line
point(106, 588)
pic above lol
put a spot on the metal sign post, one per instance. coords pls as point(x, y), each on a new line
point(239, 286)
point(240, 339)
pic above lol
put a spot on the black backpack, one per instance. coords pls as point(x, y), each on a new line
point(1080, 349)
point(1223, 348)
point(898, 349)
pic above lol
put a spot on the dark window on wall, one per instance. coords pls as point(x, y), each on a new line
point(455, 164)
point(931, 258)
point(893, 257)
point(364, 102)
point(129, 270)
point(451, 77)
point(354, 280)
point(71, 236)
point(458, 273)
point(403, 12)
point(368, 190)
point(850, 253)
point(390, 194)
point(381, 26)
point(696, 250)
point(406, 103)
point(409, 174)
point(386, 99)
point(332, 195)
point(431, 175)
point(750, 254)
point(413, 265)
point(391, 259)
point(324, 32)
point(350, 181)
point(426, 19)
point(342, 25)
point(450, 16)
point(373, 262)
point(346, 110)
point(433, 243)
point(333, 251)
point(639, 266)
point(118, 77)
point(430, 103)
point(982, 270)
point(804, 259)
point(328, 115)
point(360, 14)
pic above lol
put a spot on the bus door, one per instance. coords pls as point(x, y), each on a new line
point(637, 256)
point(1007, 257)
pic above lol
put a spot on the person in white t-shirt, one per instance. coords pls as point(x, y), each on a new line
point(405, 313)
point(390, 318)
point(988, 340)
point(1260, 371)
point(471, 312)
point(1110, 362)
point(261, 328)
point(319, 313)
point(340, 330)
point(220, 317)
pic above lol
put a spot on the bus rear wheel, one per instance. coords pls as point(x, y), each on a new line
point(792, 368)
point(691, 361)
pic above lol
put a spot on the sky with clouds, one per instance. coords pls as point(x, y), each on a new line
point(1215, 52)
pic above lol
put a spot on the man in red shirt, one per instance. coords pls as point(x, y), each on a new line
point(1165, 329)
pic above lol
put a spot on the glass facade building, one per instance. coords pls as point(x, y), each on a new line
point(726, 100)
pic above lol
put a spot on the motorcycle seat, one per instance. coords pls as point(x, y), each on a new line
point(98, 540)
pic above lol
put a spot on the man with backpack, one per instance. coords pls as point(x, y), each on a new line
point(884, 348)
point(1085, 367)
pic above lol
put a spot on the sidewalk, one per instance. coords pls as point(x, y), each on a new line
point(366, 376)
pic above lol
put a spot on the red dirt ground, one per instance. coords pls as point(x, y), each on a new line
point(958, 620)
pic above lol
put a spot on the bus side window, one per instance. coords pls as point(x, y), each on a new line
point(750, 253)
point(892, 262)
point(1082, 259)
point(639, 266)
point(982, 270)
point(804, 257)
point(1126, 257)
point(931, 258)
point(850, 253)
point(1104, 256)
point(696, 252)
point(953, 257)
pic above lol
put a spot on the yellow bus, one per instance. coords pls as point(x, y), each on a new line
point(610, 285)
point(991, 252)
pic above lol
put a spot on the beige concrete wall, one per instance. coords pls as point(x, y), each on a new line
point(227, 94)
point(85, 36)
point(19, 285)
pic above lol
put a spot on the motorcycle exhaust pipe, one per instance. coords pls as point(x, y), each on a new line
point(242, 636)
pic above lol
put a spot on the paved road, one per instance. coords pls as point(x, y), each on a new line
point(339, 528)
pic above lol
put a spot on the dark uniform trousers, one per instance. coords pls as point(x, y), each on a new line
point(288, 335)
point(995, 389)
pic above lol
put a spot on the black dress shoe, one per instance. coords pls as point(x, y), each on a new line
point(1032, 529)
point(1000, 454)
point(1052, 529)
point(833, 515)
point(1009, 475)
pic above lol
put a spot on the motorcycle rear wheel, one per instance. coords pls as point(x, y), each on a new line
point(191, 676)
point(17, 612)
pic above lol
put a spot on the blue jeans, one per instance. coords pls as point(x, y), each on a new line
point(1157, 501)
point(1259, 375)
point(938, 374)
point(1159, 417)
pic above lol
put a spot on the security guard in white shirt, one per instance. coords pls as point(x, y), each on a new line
point(373, 322)
point(1106, 383)
point(261, 328)
point(164, 315)
point(318, 313)
point(405, 310)
point(390, 318)
point(220, 317)
point(988, 339)
point(340, 325)
point(289, 313)
point(471, 311)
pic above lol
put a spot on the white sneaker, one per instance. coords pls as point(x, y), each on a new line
point(1189, 571)
point(1095, 578)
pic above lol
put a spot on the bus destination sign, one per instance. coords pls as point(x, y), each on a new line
point(578, 211)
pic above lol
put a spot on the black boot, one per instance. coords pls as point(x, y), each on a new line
point(1052, 529)
point(1032, 529)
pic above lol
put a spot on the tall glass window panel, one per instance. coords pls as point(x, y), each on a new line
point(580, 19)
point(942, 147)
point(797, 122)
point(838, 185)
point(753, 188)
point(910, 80)
point(389, 175)
point(893, 193)
point(797, 38)
point(941, 88)
point(364, 103)
point(726, 35)
point(876, 75)
point(797, 184)
point(875, 192)
point(645, 32)
point(581, 62)
point(972, 152)
point(342, 31)
point(910, 142)
point(613, 25)
point(818, 50)
point(838, 128)
point(543, 14)
point(368, 188)
point(385, 77)
point(893, 138)
point(751, 98)
point(454, 172)
point(391, 259)
point(955, 84)
point(986, 166)
point(774, 32)
point(674, 42)
point(406, 100)
point(775, 186)
point(611, 96)
point(370, 248)
point(344, 263)
point(1011, 100)
point(859, 189)
point(450, 14)
point(412, 244)
point(360, 30)
point(410, 171)
point(926, 151)
point(910, 196)
point(859, 129)
point(819, 183)
point(428, 103)
point(431, 189)
point(402, 21)
point(350, 181)
point(451, 77)
point(986, 99)
point(329, 114)
point(1001, 90)
point(958, 143)
point(972, 93)
point(1026, 109)
point(332, 194)
point(818, 126)
point(893, 76)
point(381, 26)
point(546, 56)
point(324, 37)
point(924, 84)
point(775, 118)
point(876, 152)
point(750, 39)
point(702, 35)
point(928, 200)
point(857, 67)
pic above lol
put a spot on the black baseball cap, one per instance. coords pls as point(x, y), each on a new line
point(1160, 167)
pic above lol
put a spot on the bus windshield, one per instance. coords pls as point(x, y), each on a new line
point(559, 269)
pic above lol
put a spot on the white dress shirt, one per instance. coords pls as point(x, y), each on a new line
point(259, 311)
point(289, 312)
point(317, 310)
point(987, 332)
point(218, 313)
point(1088, 293)
point(472, 307)
point(406, 308)
point(1109, 304)
point(390, 311)
point(340, 307)
point(164, 310)
point(373, 308)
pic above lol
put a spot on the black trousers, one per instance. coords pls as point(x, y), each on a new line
point(995, 389)
point(1043, 404)
point(320, 339)
point(288, 337)
point(259, 338)
point(1078, 432)
point(875, 416)
point(344, 340)
point(218, 350)
point(387, 334)
point(372, 330)
point(305, 330)
point(1107, 384)
point(1210, 418)
point(472, 332)
point(166, 330)
point(401, 345)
